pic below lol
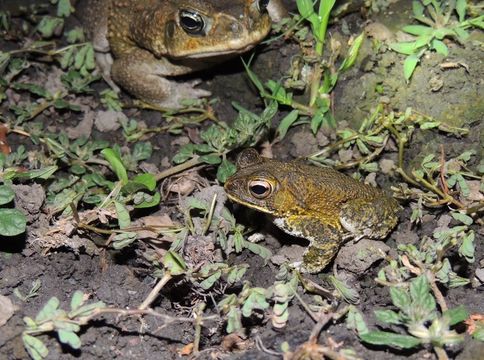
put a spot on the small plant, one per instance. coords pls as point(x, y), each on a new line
point(219, 139)
point(417, 313)
point(323, 76)
point(437, 17)
point(12, 221)
point(66, 324)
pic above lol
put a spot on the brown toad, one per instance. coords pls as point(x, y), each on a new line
point(152, 40)
point(316, 203)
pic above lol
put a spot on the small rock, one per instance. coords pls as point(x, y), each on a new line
point(7, 308)
point(480, 274)
point(405, 237)
point(304, 144)
point(386, 165)
point(358, 257)
point(83, 128)
point(106, 121)
point(288, 254)
point(29, 198)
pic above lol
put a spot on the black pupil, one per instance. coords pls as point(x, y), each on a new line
point(191, 21)
point(258, 189)
point(263, 4)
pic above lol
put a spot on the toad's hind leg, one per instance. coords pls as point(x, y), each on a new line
point(141, 74)
point(322, 249)
point(373, 219)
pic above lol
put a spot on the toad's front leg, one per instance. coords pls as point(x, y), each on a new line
point(143, 75)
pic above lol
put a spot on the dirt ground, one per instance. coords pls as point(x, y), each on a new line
point(123, 278)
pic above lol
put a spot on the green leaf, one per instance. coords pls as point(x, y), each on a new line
point(148, 180)
point(260, 250)
point(456, 280)
point(463, 218)
point(409, 66)
point(124, 220)
point(234, 322)
point(406, 48)
point(420, 293)
point(116, 164)
point(442, 33)
point(236, 274)
point(225, 170)
point(390, 339)
point(211, 159)
point(461, 34)
point(86, 310)
point(66, 325)
point(440, 47)
point(456, 315)
point(48, 25)
point(174, 263)
point(6, 194)
point(286, 123)
point(35, 347)
point(12, 222)
point(69, 338)
point(305, 8)
point(400, 298)
point(418, 8)
point(417, 29)
point(317, 121)
point(355, 321)
point(155, 200)
point(388, 316)
point(64, 8)
point(32, 88)
point(467, 248)
point(211, 280)
point(124, 239)
point(352, 53)
point(142, 151)
point(43, 173)
point(77, 299)
point(48, 311)
point(255, 301)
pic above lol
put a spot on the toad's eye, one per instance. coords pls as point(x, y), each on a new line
point(262, 4)
point(260, 189)
point(192, 22)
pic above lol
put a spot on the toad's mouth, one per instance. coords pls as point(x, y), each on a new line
point(246, 203)
point(223, 48)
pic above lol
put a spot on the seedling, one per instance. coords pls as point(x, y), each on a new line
point(323, 78)
point(437, 23)
point(417, 314)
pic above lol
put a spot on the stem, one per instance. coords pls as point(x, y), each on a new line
point(178, 168)
point(156, 290)
point(198, 328)
point(438, 294)
point(441, 354)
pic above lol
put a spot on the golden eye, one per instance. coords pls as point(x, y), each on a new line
point(192, 22)
point(260, 189)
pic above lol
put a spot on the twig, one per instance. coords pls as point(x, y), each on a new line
point(438, 294)
point(445, 188)
point(178, 168)
point(156, 290)
point(441, 354)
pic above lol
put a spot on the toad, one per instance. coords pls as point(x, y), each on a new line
point(319, 204)
point(154, 40)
